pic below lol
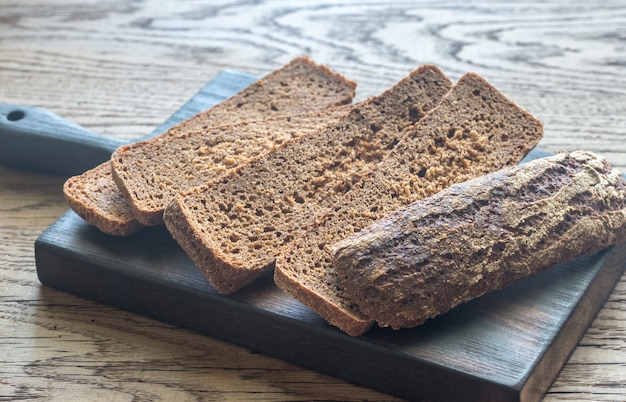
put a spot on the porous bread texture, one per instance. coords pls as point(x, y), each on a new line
point(94, 196)
point(149, 174)
point(475, 130)
point(298, 87)
point(482, 235)
point(234, 228)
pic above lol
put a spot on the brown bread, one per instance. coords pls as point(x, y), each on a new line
point(298, 87)
point(234, 228)
point(149, 174)
point(475, 130)
point(482, 235)
point(94, 196)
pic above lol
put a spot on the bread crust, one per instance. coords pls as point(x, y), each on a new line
point(94, 197)
point(482, 235)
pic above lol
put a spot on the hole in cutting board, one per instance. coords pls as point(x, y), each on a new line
point(15, 115)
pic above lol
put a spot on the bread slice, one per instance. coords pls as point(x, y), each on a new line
point(234, 228)
point(482, 235)
point(475, 130)
point(298, 87)
point(94, 196)
point(149, 174)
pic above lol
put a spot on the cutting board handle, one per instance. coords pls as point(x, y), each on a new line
point(38, 140)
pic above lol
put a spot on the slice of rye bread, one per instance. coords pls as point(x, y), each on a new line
point(482, 235)
point(150, 174)
point(234, 228)
point(298, 87)
point(475, 130)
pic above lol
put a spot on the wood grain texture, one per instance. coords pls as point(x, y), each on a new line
point(120, 68)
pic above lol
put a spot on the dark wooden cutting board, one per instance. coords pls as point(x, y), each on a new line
point(506, 346)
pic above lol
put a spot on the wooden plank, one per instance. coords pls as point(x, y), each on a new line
point(508, 345)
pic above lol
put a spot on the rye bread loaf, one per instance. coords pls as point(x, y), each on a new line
point(298, 87)
point(475, 130)
point(482, 235)
point(234, 228)
point(149, 174)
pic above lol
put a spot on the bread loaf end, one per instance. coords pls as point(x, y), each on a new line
point(482, 235)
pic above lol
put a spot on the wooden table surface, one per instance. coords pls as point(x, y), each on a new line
point(120, 68)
